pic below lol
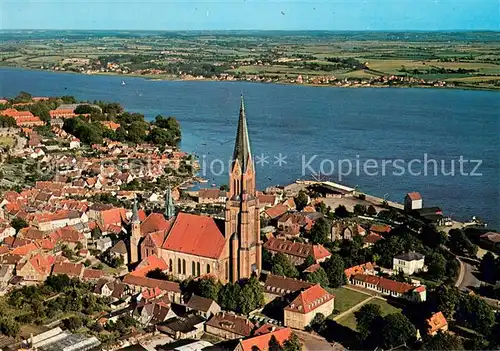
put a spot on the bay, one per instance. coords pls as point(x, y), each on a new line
point(323, 128)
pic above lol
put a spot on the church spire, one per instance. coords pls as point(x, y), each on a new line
point(135, 212)
point(169, 204)
point(242, 151)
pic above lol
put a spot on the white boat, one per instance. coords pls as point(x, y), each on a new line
point(123, 82)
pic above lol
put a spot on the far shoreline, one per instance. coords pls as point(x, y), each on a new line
point(176, 79)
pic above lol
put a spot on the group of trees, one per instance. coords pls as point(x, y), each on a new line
point(59, 294)
point(466, 310)
point(7, 122)
point(242, 297)
point(460, 244)
point(133, 128)
point(387, 332)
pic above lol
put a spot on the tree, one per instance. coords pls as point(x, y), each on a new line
point(229, 296)
point(371, 211)
point(274, 345)
point(301, 200)
point(474, 313)
point(73, 323)
point(318, 322)
point(18, 224)
point(431, 237)
point(443, 341)
point(359, 209)
point(447, 300)
point(9, 326)
point(489, 268)
point(319, 276)
point(341, 212)
point(224, 187)
point(309, 261)
point(281, 265)
point(84, 109)
point(367, 318)
point(157, 273)
point(334, 268)
point(292, 344)
point(209, 288)
point(436, 265)
point(397, 330)
point(320, 231)
point(460, 244)
point(96, 233)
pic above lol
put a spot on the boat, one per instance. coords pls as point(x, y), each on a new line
point(123, 82)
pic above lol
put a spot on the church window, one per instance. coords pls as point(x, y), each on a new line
point(179, 266)
point(183, 266)
point(193, 269)
point(227, 270)
point(208, 268)
point(198, 269)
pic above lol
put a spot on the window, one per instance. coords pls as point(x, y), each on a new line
point(179, 266)
point(184, 267)
point(170, 265)
point(198, 268)
point(193, 269)
point(227, 270)
point(208, 268)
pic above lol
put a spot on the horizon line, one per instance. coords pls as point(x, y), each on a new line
point(256, 30)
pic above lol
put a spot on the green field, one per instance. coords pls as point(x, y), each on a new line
point(7, 141)
point(346, 298)
point(350, 320)
point(466, 59)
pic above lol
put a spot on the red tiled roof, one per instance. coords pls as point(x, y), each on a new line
point(310, 299)
point(230, 322)
point(436, 322)
point(312, 268)
point(164, 285)
point(42, 264)
point(384, 283)
point(92, 274)
point(261, 342)
point(25, 249)
point(266, 328)
point(68, 268)
point(148, 264)
point(372, 238)
point(195, 235)
point(113, 216)
point(298, 249)
point(155, 222)
point(359, 269)
point(414, 196)
point(380, 228)
point(276, 211)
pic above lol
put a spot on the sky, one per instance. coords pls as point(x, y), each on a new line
point(251, 14)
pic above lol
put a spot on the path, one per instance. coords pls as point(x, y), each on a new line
point(353, 308)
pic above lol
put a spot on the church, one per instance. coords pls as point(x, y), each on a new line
point(195, 245)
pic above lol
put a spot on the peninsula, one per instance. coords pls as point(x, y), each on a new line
point(467, 60)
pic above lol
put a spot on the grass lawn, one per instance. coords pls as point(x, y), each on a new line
point(7, 141)
point(345, 298)
point(350, 320)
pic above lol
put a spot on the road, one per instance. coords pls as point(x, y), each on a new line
point(466, 277)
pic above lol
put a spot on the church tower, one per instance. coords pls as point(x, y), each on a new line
point(242, 219)
point(169, 204)
point(135, 236)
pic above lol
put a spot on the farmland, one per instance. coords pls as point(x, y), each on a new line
point(464, 60)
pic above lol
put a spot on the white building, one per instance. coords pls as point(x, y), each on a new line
point(413, 201)
point(409, 263)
